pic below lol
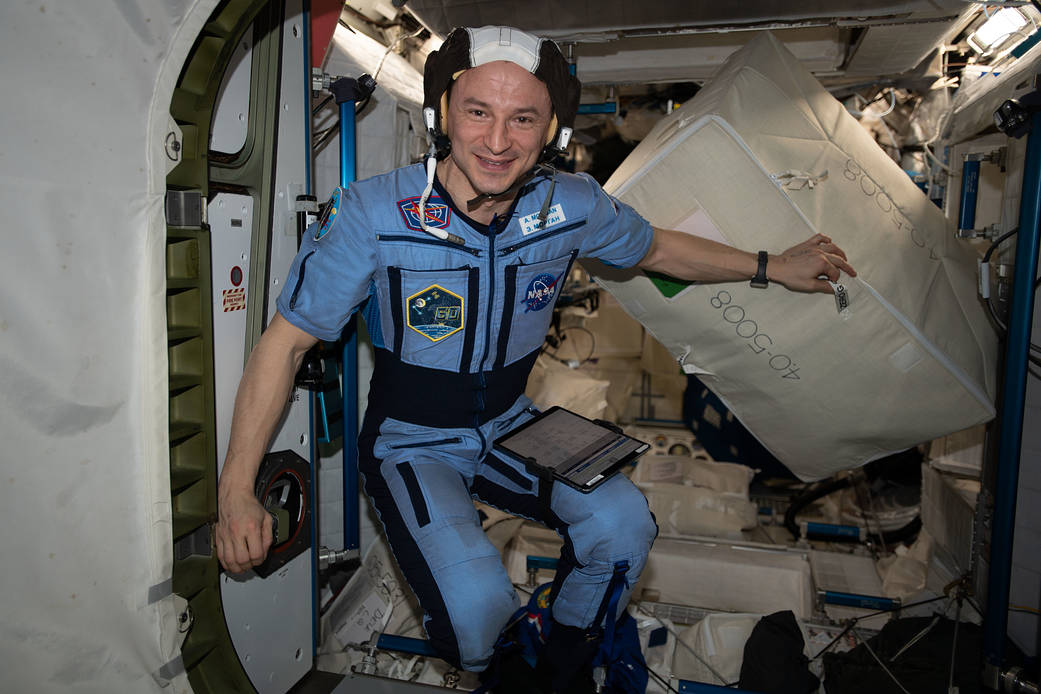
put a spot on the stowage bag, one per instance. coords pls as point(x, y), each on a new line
point(762, 158)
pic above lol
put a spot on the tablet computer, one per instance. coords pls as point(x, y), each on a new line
point(568, 447)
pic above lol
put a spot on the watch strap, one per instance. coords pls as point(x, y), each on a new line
point(760, 280)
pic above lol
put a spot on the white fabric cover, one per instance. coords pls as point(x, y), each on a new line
point(682, 511)
point(692, 497)
point(84, 488)
point(762, 158)
point(697, 471)
point(719, 642)
point(552, 383)
point(696, 573)
point(737, 578)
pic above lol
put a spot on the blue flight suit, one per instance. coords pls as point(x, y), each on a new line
point(456, 330)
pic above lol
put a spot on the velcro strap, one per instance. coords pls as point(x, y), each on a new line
point(546, 494)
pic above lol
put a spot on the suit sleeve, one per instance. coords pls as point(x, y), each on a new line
point(618, 235)
point(330, 277)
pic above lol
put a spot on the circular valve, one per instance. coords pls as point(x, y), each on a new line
point(283, 488)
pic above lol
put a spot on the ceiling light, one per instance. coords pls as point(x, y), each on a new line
point(1002, 24)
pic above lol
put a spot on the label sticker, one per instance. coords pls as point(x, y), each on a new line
point(438, 215)
point(663, 470)
point(841, 299)
point(530, 223)
point(234, 299)
point(435, 313)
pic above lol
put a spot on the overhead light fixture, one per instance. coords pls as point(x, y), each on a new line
point(1004, 23)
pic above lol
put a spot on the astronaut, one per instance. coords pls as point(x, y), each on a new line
point(455, 265)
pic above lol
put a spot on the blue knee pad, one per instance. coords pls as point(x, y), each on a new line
point(608, 525)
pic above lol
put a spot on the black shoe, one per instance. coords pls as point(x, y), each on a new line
point(565, 665)
point(510, 673)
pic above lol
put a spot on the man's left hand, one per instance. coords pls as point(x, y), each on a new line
point(804, 267)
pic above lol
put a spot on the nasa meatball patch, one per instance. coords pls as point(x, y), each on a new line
point(540, 292)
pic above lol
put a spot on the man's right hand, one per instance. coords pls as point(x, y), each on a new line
point(244, 530)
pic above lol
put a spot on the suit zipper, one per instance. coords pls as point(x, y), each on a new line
point(299, 280)
point(401, 238)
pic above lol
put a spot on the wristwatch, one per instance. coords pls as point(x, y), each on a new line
point(760, 281)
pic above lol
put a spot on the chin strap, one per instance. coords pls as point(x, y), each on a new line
point(548, 155)
point(523, 179)
point(544, 212)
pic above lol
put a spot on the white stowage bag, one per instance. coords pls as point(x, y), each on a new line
point(762, 158)
point(713, 650)
point(691, 497)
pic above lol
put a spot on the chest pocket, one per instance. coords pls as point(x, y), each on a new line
point(434, 316)
point(530, 293)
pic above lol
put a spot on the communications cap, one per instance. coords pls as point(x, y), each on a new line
point(465, 48)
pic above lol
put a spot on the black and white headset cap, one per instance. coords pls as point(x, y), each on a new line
point(465, 48)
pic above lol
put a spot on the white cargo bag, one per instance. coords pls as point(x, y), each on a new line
point(762, 158)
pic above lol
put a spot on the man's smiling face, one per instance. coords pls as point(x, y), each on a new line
point(498, 119)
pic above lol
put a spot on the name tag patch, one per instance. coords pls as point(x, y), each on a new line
point(530, 223)
point(435, 313)
point(437, 214)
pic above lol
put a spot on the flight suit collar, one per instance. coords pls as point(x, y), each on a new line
point(500, 222)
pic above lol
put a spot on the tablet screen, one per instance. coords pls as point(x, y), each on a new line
point(572, 446)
